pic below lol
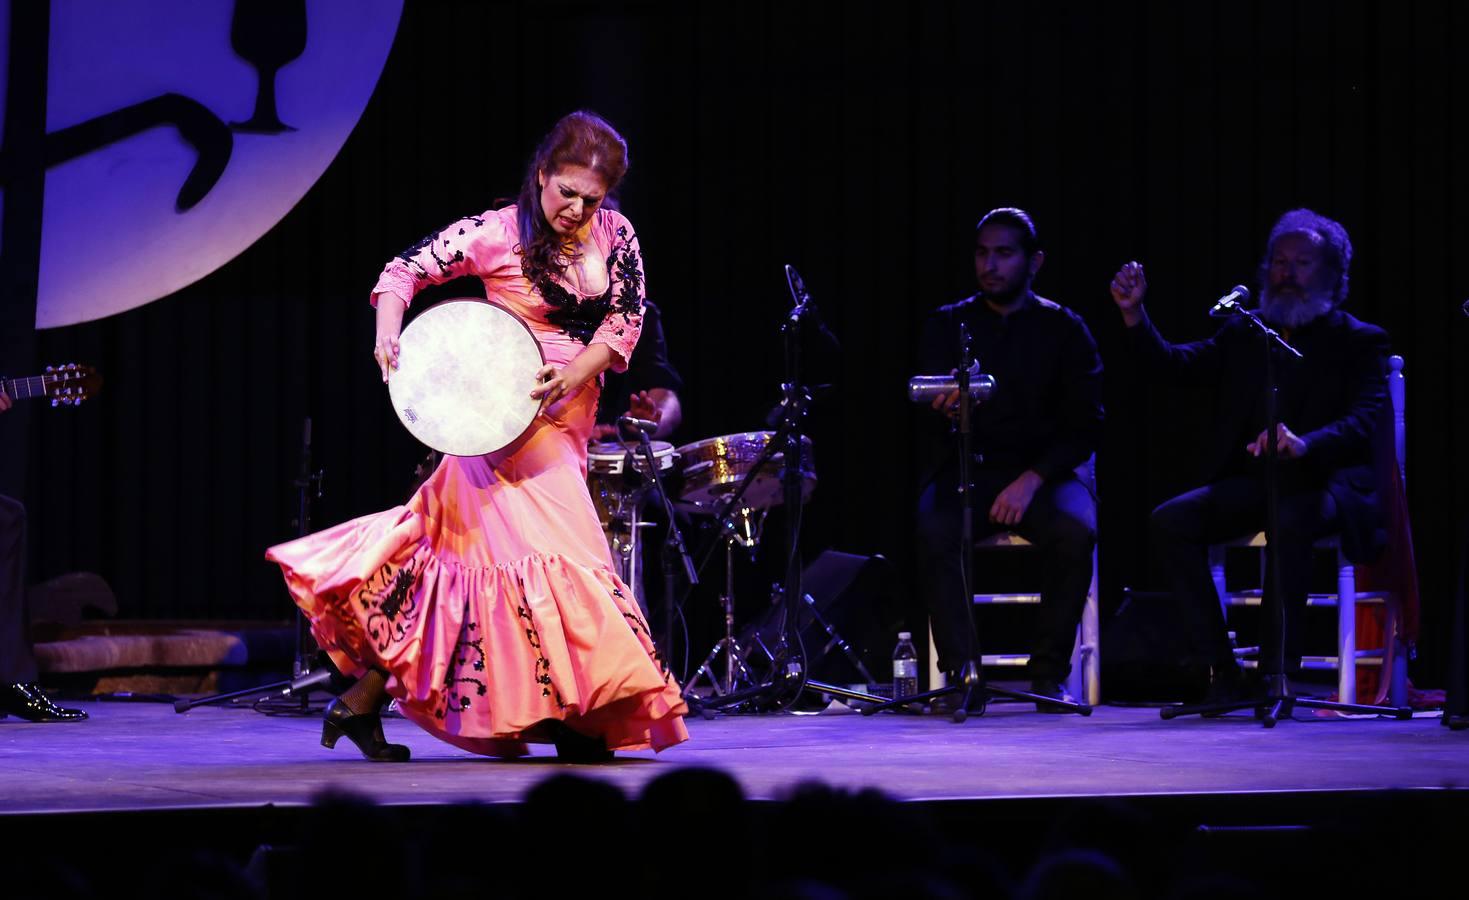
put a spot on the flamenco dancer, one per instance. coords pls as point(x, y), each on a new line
point(487, 606)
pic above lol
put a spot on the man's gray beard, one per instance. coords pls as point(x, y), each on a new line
point(1292, 313)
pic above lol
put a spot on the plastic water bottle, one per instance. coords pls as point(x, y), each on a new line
point(905, 666)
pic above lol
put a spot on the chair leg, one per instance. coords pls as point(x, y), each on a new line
point(1397, 692)
point(935, 677)
point(1346, 630)
point(1091, 638)
point(1216, 572)
point(1076, 681)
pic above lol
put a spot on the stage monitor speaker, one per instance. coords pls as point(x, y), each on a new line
point(859, 597)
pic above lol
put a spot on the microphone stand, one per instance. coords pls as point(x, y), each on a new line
point(1278, 701)
point(789, 676)
point(312, 669)
point(975, 691)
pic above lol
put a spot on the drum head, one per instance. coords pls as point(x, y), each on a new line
point(713, 469)
point(608, 457)
point(466, 369)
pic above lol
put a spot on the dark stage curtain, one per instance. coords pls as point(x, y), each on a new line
point(857, 141)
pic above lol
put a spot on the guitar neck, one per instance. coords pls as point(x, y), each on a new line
point(21, 388)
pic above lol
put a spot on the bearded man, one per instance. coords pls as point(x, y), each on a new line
point(1328, 402)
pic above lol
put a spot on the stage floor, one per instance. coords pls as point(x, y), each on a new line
point(144, 756)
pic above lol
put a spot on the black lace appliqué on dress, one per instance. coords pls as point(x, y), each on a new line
point(466, 677)
point(387, 600)
point(639, 626)
point(410, 255)
point(542, 673)
point(581, 318)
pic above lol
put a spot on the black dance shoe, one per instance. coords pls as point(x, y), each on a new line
point(364, 729)
point(1055, 691)
point(575, 747)
point(25, 701)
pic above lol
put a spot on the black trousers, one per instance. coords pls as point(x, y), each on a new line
point(1183, 528)
point(1061, 522)
point(17, 661)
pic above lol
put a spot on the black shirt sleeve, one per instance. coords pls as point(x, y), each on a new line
point(1080, 412)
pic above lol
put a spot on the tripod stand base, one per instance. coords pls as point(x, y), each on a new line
point(975, 697)
point(183, 705)
point(1271, 708)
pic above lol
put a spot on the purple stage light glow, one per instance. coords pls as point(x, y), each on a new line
point(117, 231)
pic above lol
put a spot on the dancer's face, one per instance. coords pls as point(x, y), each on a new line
point(569, 197)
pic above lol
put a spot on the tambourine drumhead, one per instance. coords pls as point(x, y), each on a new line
point(466, 371)
point(608, 457)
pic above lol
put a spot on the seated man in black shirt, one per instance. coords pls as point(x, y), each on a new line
point(1042, 422)
point(1328, 401)
point(20, 696)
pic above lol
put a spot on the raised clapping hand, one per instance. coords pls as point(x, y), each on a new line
point(1129, 286)
point(1287, 444)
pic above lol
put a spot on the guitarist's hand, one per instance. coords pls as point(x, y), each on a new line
point(4, 402)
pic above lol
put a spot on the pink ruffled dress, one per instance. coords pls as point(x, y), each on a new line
point(489, 597)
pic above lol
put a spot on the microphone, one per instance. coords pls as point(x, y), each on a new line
point(798, 287)
point(798, 293)
point(1231, 302)
point(636, 424)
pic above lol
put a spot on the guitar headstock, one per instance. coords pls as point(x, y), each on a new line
point(70, 384)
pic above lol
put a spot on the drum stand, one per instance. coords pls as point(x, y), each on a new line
point(743, 529)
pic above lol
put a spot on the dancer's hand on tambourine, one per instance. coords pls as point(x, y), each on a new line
point(385, 351)
point(551, 384)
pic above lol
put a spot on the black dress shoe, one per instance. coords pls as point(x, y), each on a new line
point(1055, 691)
point(25, 701)
point(363, 729)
